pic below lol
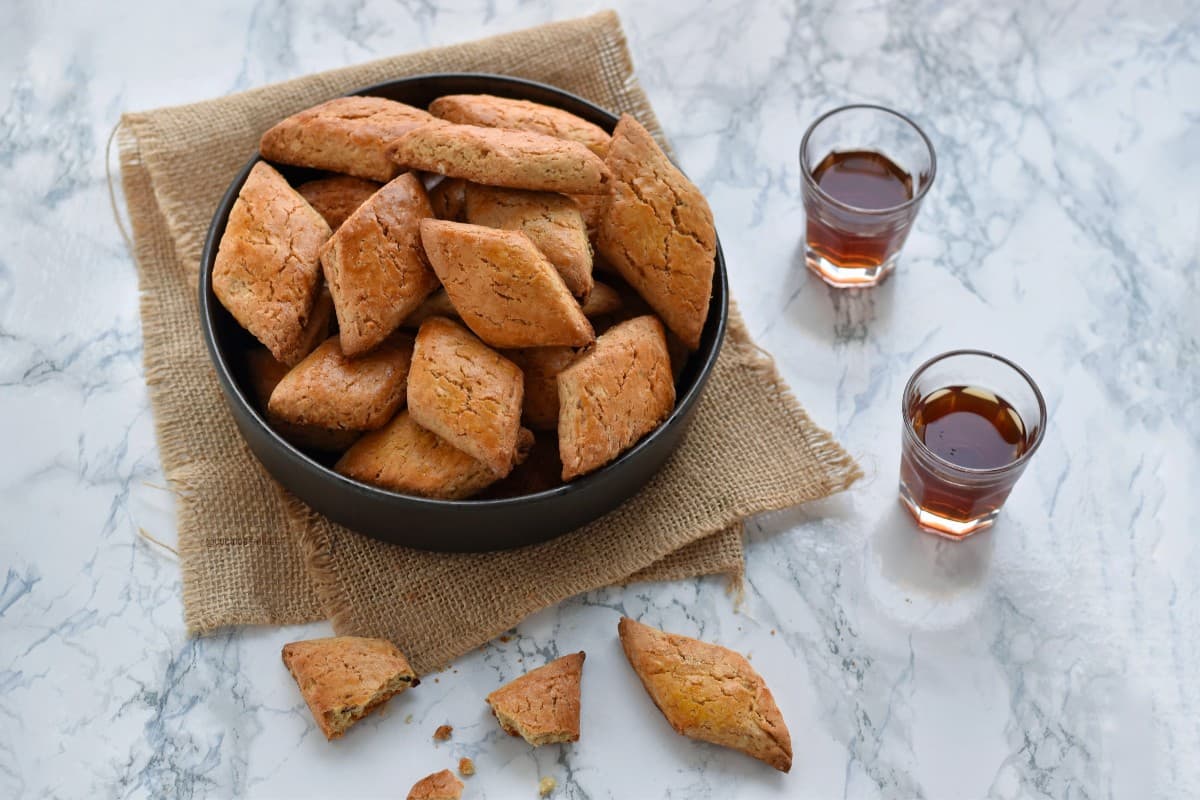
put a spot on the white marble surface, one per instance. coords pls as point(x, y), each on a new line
point(1055, 657)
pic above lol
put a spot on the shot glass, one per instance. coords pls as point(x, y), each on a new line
point(865, 170)
point(972, 420)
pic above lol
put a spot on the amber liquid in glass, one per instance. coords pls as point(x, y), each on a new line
point(972, 428)
point(866, 180)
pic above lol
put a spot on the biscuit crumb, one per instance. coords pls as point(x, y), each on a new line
point(442, 734)
point(408, 720)
point(546, 786)
point(772, 631)
point(506, 638)
point(466, 767)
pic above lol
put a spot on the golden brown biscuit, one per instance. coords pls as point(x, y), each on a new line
point(328, 390)
point(466, 393)
point(348, 135)
point(376, 267)
point(267, 271)
point(551, 221)
point(449, 199)
point(344, 678)
point(591, 208)
point(603, 300)
point(708, 692)
point(540, 367)
point(436, 305)
point(404, 457)
point(503, 287)
point(337, 197)
point(657, 230)
point(516, 159)
point(542, 706)
point(438, 786)
point(265, 373)
point(521, 115)
point(613, 395)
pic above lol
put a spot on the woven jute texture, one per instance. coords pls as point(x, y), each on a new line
point(252, 554)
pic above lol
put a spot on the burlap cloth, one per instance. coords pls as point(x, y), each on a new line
point(252, 554)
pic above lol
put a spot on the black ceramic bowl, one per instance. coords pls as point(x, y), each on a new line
point(463, 525)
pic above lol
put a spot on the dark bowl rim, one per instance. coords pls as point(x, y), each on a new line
point(228, 380)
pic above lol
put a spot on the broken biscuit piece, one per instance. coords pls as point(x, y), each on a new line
point(344, 678)
point(542, 706)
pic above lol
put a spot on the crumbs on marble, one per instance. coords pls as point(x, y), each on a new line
point(466, 767)
point(772, 631)
point(506, 638)
point(546, 785)
point(408, 720)
point(443, 733)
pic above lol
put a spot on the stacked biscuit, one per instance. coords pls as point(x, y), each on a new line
point(453, 339)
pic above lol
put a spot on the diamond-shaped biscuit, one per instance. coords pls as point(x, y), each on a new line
point(542, 706)
point(657, 230)
point(613, 395)
point(551, 221)
point(349, 135)
point(330, 391)
point(466, 393)
point(267, 271)
point(404, 457)
point(375, 264)
point(522, 115)
point(498, 157)
point(344, 678)
point(708, 692)
point(264, 374)
point(503, 287)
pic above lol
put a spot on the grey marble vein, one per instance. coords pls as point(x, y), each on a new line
point(1053, 657)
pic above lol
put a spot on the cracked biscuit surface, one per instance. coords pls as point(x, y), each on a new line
point(552, 222)
point(502, 286)
point(349, 135)
point(337, 197)
point(438, 786)
point(613, 395)
point(542, 706)
point(657, 231)
point(466, 393)
point(376, 267)
point(708, 692)
point(344, 678)
point(328, 390)
point(497, 157)
point(523, 115)
point(265, 373)
point(267, 269)
point(404, 457)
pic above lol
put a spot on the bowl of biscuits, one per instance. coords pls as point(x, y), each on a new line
point(462, 312)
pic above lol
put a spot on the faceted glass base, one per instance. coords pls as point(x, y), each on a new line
point(942, 526)
point(848, 277)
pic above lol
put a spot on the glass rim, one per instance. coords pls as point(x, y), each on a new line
point(811, 181)
point(925, 450)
